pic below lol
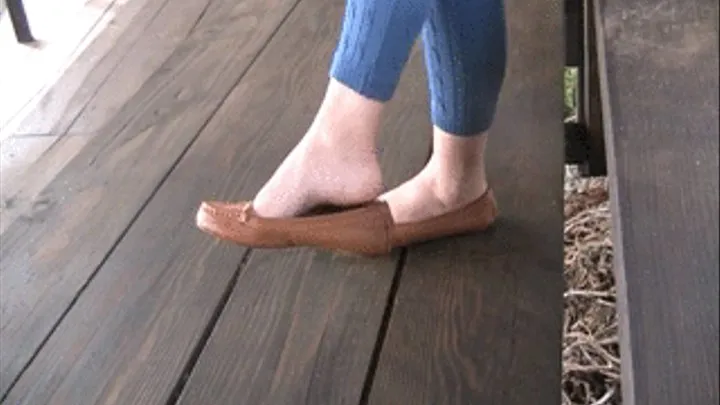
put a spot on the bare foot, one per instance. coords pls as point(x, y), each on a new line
point(335, 163)
point(318, 172)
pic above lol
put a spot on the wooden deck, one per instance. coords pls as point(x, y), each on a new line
point(111, 296)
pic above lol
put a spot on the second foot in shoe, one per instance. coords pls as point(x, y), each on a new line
point(429, 195)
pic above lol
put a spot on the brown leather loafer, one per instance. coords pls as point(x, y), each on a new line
point(368, 230)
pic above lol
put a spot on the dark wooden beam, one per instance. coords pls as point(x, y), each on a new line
point(659, 85)
point(589, 110)
point(576, 143)
point(584, 137)
point(573, 32)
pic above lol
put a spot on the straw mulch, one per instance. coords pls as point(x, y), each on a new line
point(591, 360)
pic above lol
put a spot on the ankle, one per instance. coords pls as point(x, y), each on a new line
point(347, 118)
point(341, 141)
point(457, 187)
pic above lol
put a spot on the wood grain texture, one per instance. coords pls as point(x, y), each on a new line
point(301, 325)
point(659, 74)
point(300, 328)
point(15, 152)
point(48, 256)
point(477, 319)
point(96, 88)
point(143, 309)
point(61, 106)
point(69, 96)
point(62, 31)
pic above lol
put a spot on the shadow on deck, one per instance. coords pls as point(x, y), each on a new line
point(110, 295)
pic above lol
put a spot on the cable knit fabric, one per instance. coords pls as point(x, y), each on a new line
point(464, 43)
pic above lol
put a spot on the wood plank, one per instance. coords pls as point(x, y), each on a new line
point(659, 74)
point(300, 326)
point(61, 30)
point(49, 256)
point(95, 88)
point(134, 329)
point(59, 107)
point(69, 95)
point(478, 319)
point(15, 153)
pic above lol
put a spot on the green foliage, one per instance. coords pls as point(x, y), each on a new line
point(571, 82)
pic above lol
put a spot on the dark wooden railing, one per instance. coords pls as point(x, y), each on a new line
point(649, 93)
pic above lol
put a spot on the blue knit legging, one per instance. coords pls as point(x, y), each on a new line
point(465, 55)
